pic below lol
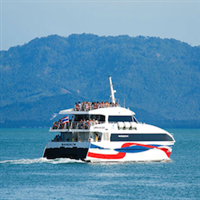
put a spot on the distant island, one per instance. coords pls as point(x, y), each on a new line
point(159, 79)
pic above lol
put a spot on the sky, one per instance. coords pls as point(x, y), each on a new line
point(23, 20)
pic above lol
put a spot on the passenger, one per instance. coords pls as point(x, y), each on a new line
point(89, 105)
point(86, 124)
point(91, 122)
point(112, 104)
point(116, 104)
point(99, 139)
point(102, 105)
point(96, 137)
point(86, 106)
point(73, 139)
point(80, 124)
point(79, 139)
point(94, 105)
point(106, 104)
point(91, 139)
point(77, 106)
point(60, 124)
point(83, 106)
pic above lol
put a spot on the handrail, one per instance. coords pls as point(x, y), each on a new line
point(77, 125)
point(89, 106)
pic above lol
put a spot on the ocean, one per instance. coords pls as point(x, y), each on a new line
point(24, 174)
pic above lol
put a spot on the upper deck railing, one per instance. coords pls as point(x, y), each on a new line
point(87, 106)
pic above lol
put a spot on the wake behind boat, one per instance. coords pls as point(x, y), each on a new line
point(102, 131)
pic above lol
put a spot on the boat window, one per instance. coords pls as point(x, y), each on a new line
point(86, 137)
point(80, 137)
point(98, 117)
point(81, 117)
point(140, 137)
point(134, 119)
point(66, 136)
point(121, 119)
point(88, 117)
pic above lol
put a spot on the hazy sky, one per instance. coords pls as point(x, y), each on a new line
point(24, 20)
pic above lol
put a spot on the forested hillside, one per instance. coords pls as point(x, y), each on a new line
point(159, 79)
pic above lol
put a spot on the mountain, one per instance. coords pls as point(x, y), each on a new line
point(157, 78)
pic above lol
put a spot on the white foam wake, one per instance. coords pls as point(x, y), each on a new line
point(41, 160)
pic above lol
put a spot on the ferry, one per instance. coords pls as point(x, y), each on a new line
point(107, 132)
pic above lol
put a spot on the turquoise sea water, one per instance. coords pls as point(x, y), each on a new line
point(24, 174)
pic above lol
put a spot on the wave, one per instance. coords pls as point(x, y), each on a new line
point(41, 160)
point(68, 160)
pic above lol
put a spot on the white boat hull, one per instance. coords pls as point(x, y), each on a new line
point(109, 152)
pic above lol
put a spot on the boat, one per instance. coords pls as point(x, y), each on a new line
point(107, 132)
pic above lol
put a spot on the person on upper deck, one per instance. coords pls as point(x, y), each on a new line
point(106, 104)
point(112, 104)
point(94, 105)
point(102, 105)
point(77, 106)
point(86, 106)
point(83, 106)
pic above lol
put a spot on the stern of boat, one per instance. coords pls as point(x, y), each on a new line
point(72, 150)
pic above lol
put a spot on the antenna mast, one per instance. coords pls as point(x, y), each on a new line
point(112, 92)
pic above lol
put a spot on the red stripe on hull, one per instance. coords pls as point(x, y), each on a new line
point(107, 156)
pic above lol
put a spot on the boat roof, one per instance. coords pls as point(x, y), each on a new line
point(100, 111)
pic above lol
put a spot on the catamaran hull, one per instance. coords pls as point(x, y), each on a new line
point(73, 150)
point(122, 152)
point(113, 156)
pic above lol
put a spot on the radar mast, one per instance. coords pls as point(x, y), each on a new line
point(112, 92)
